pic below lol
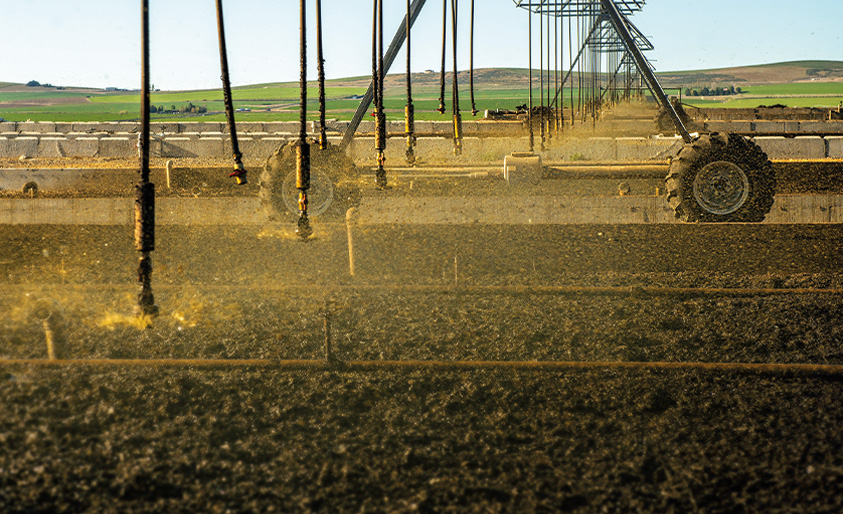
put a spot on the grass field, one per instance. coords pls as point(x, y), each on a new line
point(496, 89)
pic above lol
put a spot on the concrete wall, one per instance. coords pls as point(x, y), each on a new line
point(257, 146)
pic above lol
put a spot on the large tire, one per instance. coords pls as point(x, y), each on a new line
point(333, 187)
point(721, 178)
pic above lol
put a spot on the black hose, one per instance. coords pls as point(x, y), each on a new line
point(145, 191)
point(409, 110)
point(380, 178)
point(441, 108)
point(471, 62)
point(239, 172)
point(455, 86)
point(530, 77)
point(320, 64)
point(303, 229)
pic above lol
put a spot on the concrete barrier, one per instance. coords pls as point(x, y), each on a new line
point(834, 146)
point(118, 147)
point(768, 127)
point(803, 147)
point(18, 146)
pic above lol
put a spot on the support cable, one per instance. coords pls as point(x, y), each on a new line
point(239, 172)
point(455, 86)
point(320, 64)
point(145, 190)
point(303, 228)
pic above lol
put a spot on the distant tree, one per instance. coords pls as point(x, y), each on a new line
point(173, 108)
point(202, 109)
point(695, 93)
point(738, 90)
point(688, 92)
point(160, 109)
point(153, 109)
point(33, 83)
point(732, 89)
point(705, 91)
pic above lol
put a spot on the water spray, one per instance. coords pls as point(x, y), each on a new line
point(51, 316)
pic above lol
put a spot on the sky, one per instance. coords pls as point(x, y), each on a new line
point(96, 43)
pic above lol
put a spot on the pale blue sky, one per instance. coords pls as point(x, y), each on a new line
point(96, 42)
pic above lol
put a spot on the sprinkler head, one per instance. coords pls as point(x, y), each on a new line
point(303, 228)
point(239, 175)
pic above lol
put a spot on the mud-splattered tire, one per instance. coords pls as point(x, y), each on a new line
point(721, 178)
point(333, 188)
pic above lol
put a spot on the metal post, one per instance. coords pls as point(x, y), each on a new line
point(239, 172)
point(145, 190)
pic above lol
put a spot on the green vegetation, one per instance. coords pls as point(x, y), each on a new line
point(807, 88)
point(279, 101)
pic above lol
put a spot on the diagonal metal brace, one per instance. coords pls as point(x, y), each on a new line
point(620, 23)
point(389, 57)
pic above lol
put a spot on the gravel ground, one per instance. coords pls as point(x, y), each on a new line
point(249, 440)
point(88, 439)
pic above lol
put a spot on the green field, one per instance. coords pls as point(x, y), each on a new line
point(268, 102)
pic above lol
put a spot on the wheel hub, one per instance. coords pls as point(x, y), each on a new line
point(721, 188)
point(320, 195)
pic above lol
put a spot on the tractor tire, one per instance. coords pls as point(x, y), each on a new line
point(333, 189)
point(721, 178)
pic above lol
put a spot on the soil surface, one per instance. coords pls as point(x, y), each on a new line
point(250, 439)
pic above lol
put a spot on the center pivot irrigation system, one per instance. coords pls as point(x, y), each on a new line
point(714, 178)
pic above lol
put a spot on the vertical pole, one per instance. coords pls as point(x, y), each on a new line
point(455, 89)
point(380, 179)
point(239, 172)
point(320, 64)
point(145, 191)
point(303, 229)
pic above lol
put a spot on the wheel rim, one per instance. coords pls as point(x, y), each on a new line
point(721, 188)
point(319, 196)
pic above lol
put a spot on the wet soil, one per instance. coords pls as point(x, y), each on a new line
point(89, 439)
